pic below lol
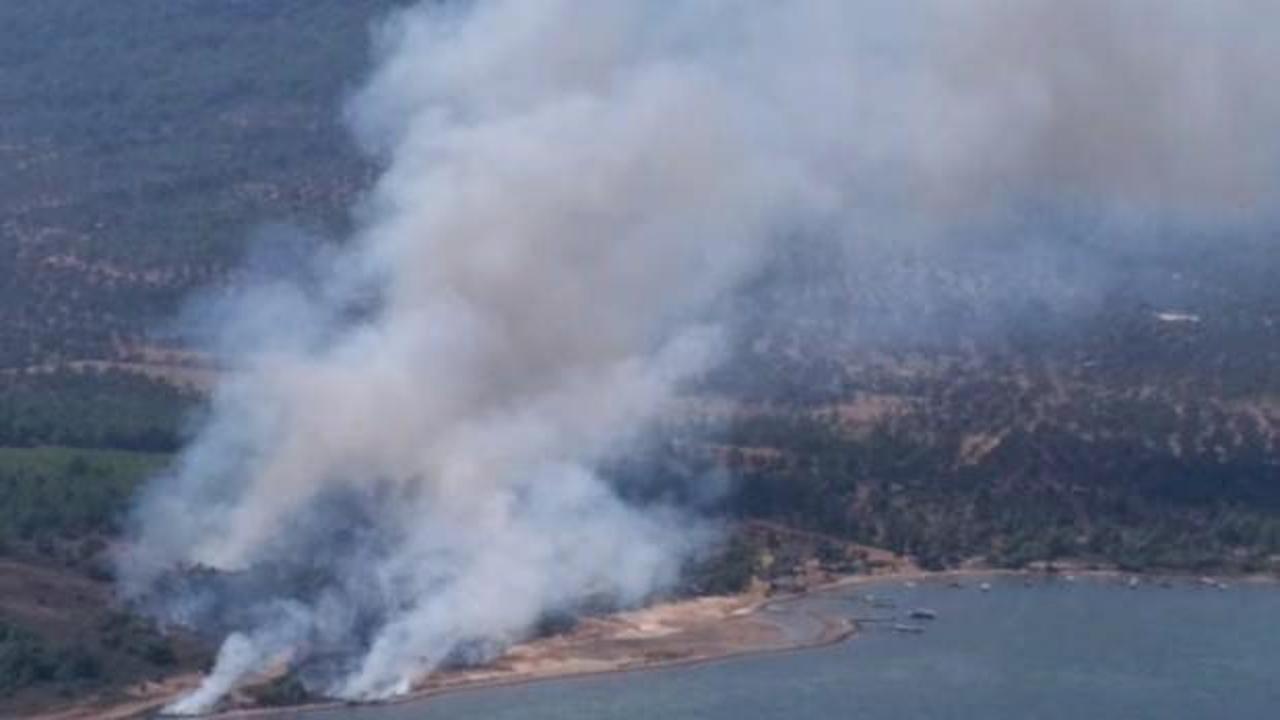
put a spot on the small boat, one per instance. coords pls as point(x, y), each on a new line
point(985, 587)
point(908, 629)
point(923, 614)
point(1133, 583)
point(870, 619)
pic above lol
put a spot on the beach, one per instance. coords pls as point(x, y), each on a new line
point(667, 634)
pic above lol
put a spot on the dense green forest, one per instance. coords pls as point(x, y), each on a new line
point(92, 409)
point(52, 493)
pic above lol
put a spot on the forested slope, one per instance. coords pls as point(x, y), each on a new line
point(144, 141)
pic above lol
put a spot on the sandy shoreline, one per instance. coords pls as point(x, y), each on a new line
point(667, 635)
point(745, 608)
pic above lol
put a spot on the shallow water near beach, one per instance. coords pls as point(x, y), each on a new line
point(1092, 649)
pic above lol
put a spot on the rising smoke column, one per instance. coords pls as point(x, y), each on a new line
point(567, 186)
point(399, 469)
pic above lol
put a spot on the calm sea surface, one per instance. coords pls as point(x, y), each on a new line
point(1091, 650)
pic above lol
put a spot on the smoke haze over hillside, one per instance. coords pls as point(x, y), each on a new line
point(401, 467)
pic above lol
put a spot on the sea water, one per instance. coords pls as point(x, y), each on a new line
point(1090, 649)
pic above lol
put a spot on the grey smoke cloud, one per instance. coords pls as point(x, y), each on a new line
point(1139, 106)
point(569, 188)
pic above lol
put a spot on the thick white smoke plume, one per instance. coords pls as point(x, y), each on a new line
point(400, 468)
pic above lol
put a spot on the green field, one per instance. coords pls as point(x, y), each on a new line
point(58, 492)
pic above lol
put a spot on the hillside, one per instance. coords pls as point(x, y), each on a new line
point(154, 147)
point(144, 145)
point(151, 139)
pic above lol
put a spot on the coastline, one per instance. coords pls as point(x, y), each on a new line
point(832, 631)
point(320, 709)
point(677, 634)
